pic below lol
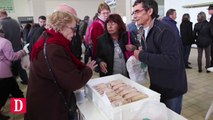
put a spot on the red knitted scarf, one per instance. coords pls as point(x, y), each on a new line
point(58, 39)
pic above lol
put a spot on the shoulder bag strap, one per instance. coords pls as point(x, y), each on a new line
point(129, 42)
point(70, 109)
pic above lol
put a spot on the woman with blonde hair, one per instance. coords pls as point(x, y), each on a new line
point(55, 72)
point(203, 38)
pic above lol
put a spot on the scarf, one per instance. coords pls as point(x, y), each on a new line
point(58, 39)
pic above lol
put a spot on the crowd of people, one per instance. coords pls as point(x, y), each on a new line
point(158, 43)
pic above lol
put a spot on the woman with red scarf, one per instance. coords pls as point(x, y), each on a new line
point(44, 102)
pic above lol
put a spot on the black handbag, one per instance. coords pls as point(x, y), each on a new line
point(70, 104)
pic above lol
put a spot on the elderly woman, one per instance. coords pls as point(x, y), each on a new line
point(50, 93)
point(8, 84)
point(112, 46)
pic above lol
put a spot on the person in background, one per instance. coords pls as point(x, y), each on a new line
point(8, 83)
point(76, 42)
point(162, 53)
point(97, 28)
point(83, 27)
point(35, 33)
point(43, 99)
point(202, 31)
point(169, 19)
point(186, 37)
point(112, 45)
point(12, 32)
point(210, 11)
point(25, 31)
point(133, 27)
point(136, 30)
point(34, 26)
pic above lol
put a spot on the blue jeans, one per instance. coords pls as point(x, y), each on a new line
point(175, 104)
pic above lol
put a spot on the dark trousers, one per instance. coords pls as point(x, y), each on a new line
point(87, 54)
point(186, 52)
point(9, 86)
point(200, 55)
point(211, 55)
point(18, 70)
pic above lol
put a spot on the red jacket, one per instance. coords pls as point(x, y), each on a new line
point(97, 30)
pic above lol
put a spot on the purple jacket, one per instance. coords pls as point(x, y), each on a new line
point(6, 56)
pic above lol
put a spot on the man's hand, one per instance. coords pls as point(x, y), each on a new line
point(130, 47)
point(136, 54)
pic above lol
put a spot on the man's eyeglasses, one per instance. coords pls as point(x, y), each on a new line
point(74, 29)
point(137, 11)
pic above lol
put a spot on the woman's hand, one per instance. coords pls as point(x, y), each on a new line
point(103, 67)
point(130, 47)
point(91, 64)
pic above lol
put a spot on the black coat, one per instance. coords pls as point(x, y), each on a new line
point(35, 36)
point(105, 49)
point(165, 61)
point(203, 34)
point(76, 45)
point(186, 33)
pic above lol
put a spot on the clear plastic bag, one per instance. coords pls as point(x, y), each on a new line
point(137, 70)
point(25, 62)
point(152, 110)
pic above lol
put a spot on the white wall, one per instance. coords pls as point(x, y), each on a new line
point(180, 10)
point(46, 7)
point(21, 8)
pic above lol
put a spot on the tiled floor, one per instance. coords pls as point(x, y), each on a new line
point(196, 101)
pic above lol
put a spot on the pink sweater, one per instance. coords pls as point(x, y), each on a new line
point(6, 56)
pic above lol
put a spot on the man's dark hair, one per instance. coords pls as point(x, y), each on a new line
point(170, 12)
point(147, 4)
point(42, 17)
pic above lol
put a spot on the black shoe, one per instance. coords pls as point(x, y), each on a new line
point(24, 83)
point(188, 67)
point(199, 71)
point(207, 71)
point(4, 117)
point(188, 63)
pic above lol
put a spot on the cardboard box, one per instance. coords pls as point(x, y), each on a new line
point(123, 112)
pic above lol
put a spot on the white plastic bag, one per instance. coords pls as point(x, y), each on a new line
point(25, 62)
point(136, 72)
point(152, 110)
